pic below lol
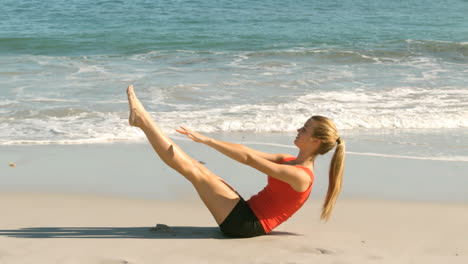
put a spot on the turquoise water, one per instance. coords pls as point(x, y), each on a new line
point(231, 66)
point(83, 27)
point(391, 74)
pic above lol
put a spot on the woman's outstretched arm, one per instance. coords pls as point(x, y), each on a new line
point(235, 151)
point(298, 179)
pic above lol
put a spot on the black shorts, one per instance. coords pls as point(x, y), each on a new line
point(242, 222)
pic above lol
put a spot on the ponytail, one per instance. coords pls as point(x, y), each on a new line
point(335, 179)
point(325, 130)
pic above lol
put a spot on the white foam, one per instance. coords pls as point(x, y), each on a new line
point(345, 93)
point(390, 109)
point(443, 158)
point(75, 129)
point(62, 142)
point(91, 69)
point(434, 42)
point(145, 56)
point(7, 102)
point(46, 99)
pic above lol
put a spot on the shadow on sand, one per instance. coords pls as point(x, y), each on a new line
point(175, 232)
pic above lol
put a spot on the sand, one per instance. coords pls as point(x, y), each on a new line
point(97, 203)
point(61, 228)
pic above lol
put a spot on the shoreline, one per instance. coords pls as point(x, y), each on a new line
point(134, 170)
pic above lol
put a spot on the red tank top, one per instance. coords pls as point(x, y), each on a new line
point(278, 201)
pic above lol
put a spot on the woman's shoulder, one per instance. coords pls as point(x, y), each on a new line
point(282, 158)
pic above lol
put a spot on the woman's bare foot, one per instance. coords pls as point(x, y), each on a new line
point(137, 111)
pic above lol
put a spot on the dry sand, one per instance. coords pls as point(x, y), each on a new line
point(61, 228)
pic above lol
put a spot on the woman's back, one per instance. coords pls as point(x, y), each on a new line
point(278, 201)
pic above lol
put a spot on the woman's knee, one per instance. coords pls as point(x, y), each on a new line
point(195, 172)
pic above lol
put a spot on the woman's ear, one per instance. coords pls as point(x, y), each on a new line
point(316, 141)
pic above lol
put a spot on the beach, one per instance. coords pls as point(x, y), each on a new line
point(79, 185)
point(42, 228)
point(97, 203)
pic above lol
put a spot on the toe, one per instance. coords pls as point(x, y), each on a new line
point(130, 89)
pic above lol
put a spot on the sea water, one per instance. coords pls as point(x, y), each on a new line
point(393, 71)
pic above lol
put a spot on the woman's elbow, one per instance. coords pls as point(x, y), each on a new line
point(248, 159)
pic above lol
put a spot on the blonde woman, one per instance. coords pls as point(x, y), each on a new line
point(290, 178)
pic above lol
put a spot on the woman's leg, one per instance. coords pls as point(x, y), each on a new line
point(217, 195)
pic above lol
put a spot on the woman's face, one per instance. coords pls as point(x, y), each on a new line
point(304, 134)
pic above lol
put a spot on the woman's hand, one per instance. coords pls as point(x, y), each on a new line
point(197, 137)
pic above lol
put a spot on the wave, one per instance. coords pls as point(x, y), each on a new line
point(399, 108)
point(386, 51)
point(391, 52)
point(437, 46)
point(418, 55)
point(231, 94)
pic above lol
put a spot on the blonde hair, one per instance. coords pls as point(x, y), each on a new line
point(325, 130)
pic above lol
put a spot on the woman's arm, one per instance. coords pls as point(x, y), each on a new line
point(298, 179)
point(232, 150)
point(273, 157)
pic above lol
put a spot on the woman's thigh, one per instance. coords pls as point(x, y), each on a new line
point(219, 197)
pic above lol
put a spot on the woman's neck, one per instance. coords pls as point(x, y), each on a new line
point(305, 159)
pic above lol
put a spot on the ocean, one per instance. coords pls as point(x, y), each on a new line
point(379, 69)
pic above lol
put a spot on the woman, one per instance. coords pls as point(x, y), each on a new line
point(290, 178)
